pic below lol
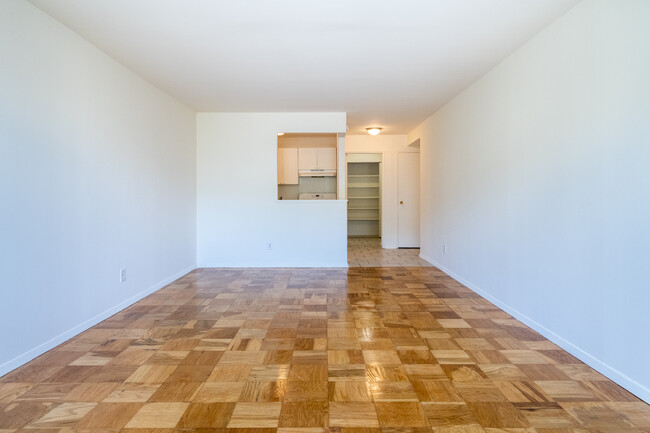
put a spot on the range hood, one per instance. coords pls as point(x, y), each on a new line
point(317, 172)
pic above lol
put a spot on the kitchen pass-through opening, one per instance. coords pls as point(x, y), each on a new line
point(307, 166)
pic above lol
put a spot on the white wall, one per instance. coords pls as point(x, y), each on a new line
point(389, 146)
point(97, 173)
point(238, 213)
point(537, 178)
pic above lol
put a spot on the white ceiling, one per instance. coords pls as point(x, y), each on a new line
point(390, 63)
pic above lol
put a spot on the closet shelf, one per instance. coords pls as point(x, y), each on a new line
point(362, 219)
point(363, 185)
point(364, 208)
point(363, 197)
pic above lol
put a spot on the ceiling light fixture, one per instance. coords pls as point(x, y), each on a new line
point(373, 130)
point(280, 133)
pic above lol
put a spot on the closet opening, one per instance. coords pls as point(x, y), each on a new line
point(364, 194)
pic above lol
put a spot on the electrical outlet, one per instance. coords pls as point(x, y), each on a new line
point(122, 275)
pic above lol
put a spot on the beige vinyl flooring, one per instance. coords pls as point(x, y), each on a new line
point(367, 252)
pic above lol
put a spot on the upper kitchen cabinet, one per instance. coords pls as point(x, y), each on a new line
point(327, 158)
point(287, 166)
point(307, 159)
point(312, 159)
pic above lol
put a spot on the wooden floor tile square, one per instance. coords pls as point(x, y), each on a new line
point(381, 373)
point(416, 357)
point(308, 372)
point(400, 414)
point(346, 373)
point(48, 392)
point(306, 391)
point(344, 357)
point(255, 415)
point(64, 415)
point(452, 356)
point(453, 323)
point(349, 391)
point(215, 392)
point(524, 357)
point(268, 373)
point(151, 374)
point(546, 415)
point(91, 392)
point(72, 373)
point(91, 358)
point(238, 358)
point(503, 372)
point(448, 414)
point(542, 372)
point(522, 392)
point(131, 393)
point(497, 415)
point(175, 391)
point(158, 415)
point(263, 391)
point(594, 415)
point(392, 391)
point(567, 390)
point(191, 373)
point(385, 357)
point(206, 415)
point(109, 415)
point(352, 414)
point(637, 413)
point(424, 372)
point(132, 357)
point(11, 391)
point(464, 373)
point(482, 391)
point(304, 414)
point(436, 391)
point(230, 373)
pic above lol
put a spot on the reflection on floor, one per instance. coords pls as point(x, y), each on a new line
point(367, 252)
point(364, 350)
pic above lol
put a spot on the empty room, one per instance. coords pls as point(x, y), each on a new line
point(308, 217)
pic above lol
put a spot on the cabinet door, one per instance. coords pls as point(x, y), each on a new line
point(327, 158)
point(290, 166)
point(307, 159)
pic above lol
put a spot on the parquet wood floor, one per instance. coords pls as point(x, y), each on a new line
point(364, 350)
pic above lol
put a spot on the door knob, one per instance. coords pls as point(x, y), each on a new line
point(401, 202)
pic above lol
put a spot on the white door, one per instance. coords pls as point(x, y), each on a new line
point(409, 200)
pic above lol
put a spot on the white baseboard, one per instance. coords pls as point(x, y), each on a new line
point(620, 378)
point(53, 342)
